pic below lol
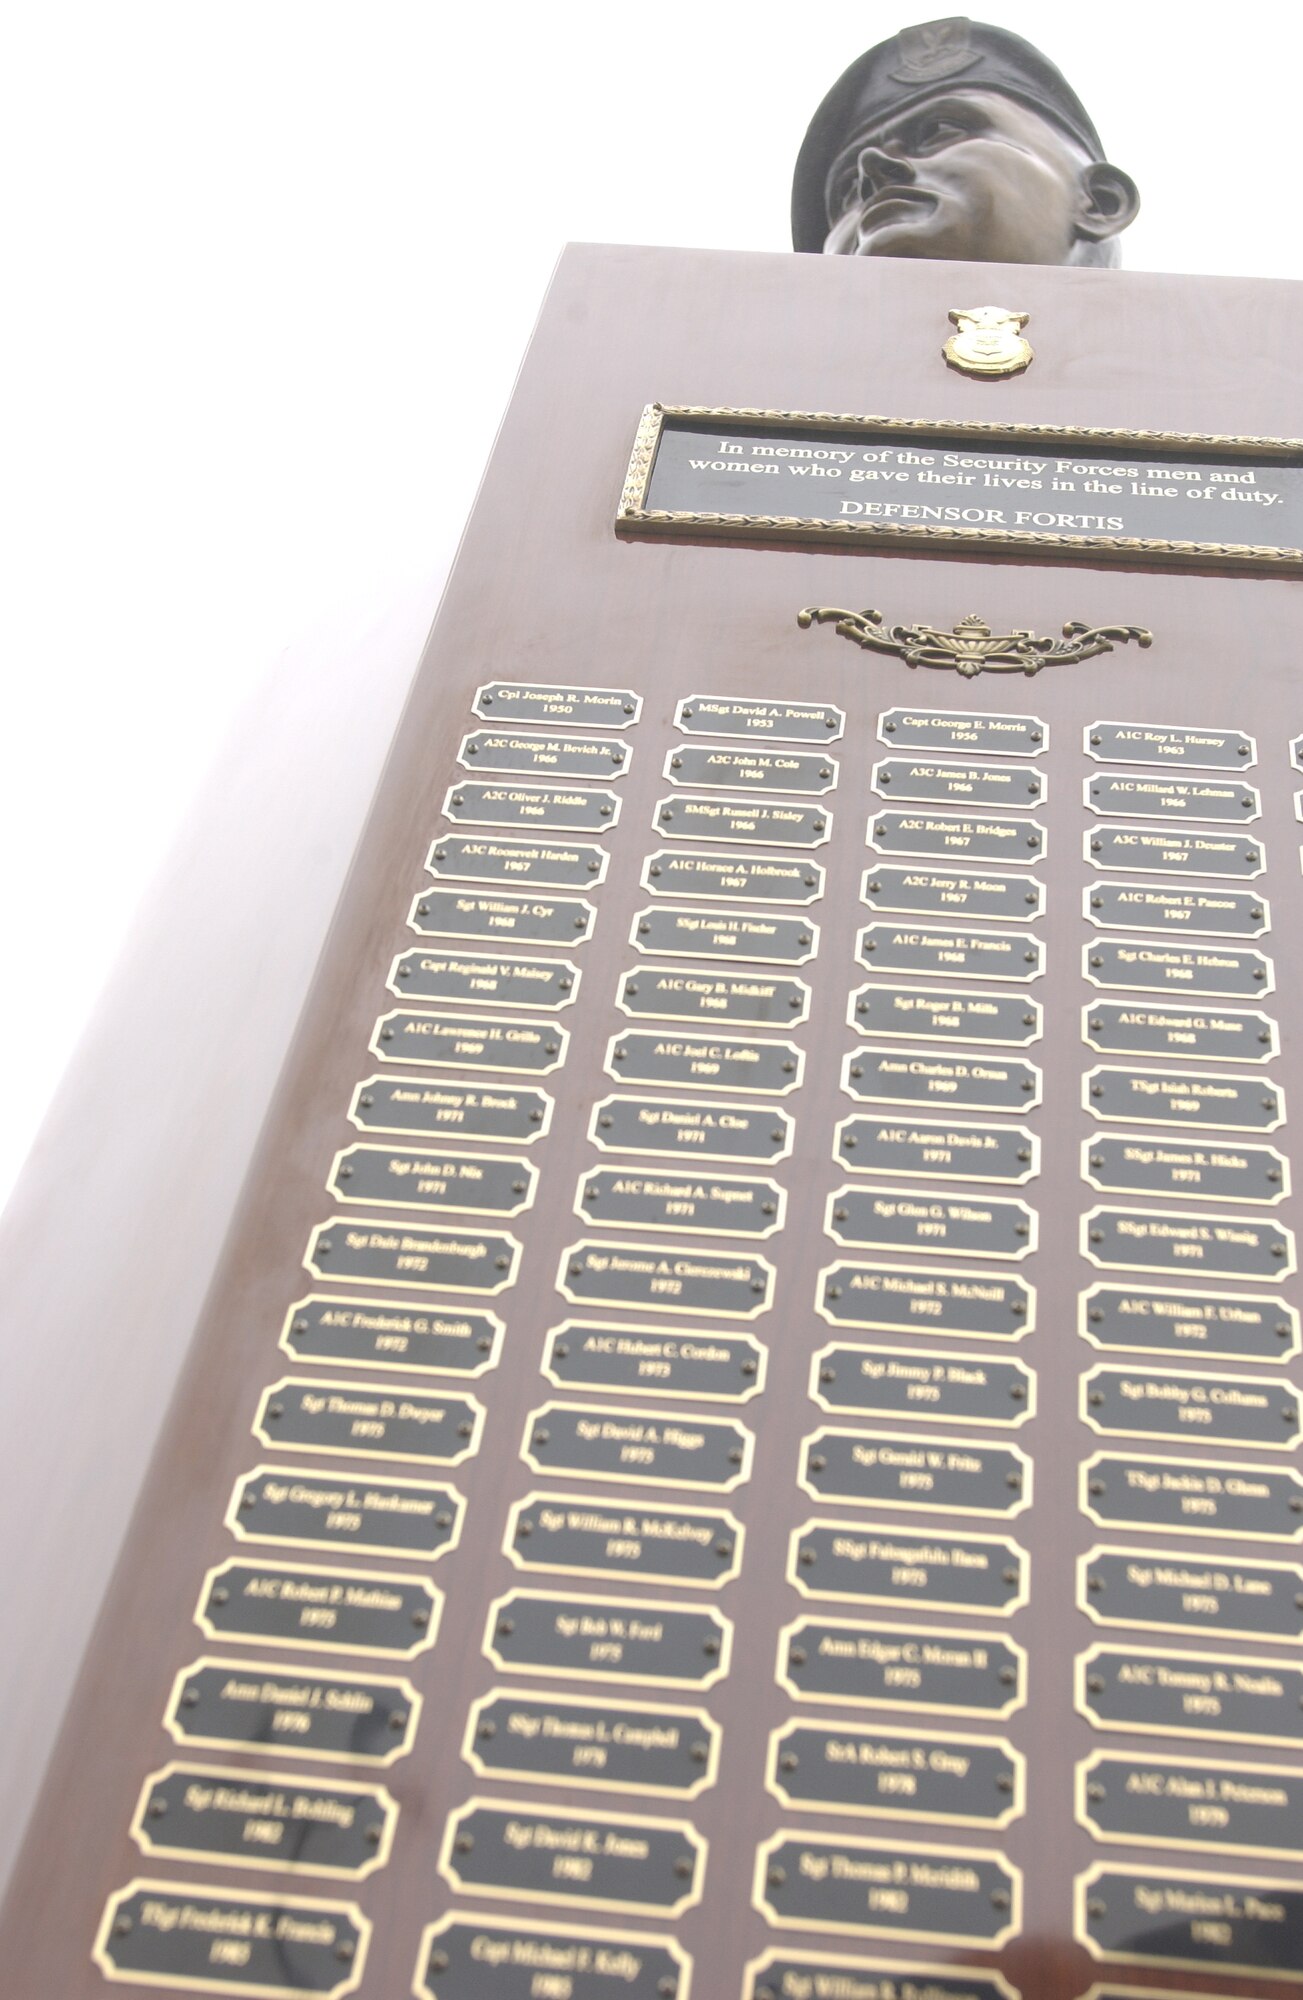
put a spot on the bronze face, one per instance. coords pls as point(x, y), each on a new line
point(977, 176)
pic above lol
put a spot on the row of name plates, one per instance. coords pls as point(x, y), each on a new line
point(950, 890)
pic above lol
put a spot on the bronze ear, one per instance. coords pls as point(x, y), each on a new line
point(1110, 201)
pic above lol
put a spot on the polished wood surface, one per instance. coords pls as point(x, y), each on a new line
point(544, 591)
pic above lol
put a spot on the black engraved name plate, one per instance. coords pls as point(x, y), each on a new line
point(1217, 1409)
point(294, 1606)
point(422, 1258)
point(597, 1441)
point(947, 1226)
point(1213, 1100)
point(485, 913)
point(1012, 956)
point(923, 1014)
point(755, 823)
point(203, 1940)
point(1163, 1693)
point(1224, 1325)
point(1145, 797)
point(1192, 1496)
point(470, 1041)
point(483, 980)
point(473, 1958)
point(191, 1812)
point(307, 1509)
point(904, 1298)
point(574, 1535)
point(935, 892)
point(788, 1971)
point(716, 769)
point(1170, 743)
point(958, 784)
point(1134, 906)
point(840, 1559)
point(603, 1861)
point(1155, 1802)
point(667, 1277)
point(674, 1127)
point(1212, 1923)
point(704, 1062)
point(927, 1149)
point(544, 864)
point(557, 707)
point(545, 808)
point(968, 1083)
point(278, 1710)
point(1216, 1595)
point(857, 1887)
point(922, 1382)
point(732, 878)
point(932, 1475)
point(1210, 1171)
point(1223, 1246)
point(937, 1672)
point(361, 1420)
point(593, 759)
point(752, 938)
point(702, 1367)
point(466, 1183)
point(986, 735)
point(896, 1774)
point(471, 1111)
point(733, 999)
point(610, 1746)
point(370, 1333)
point(629, 1639)
point(779, 721)
point(951, 837)
point(1171, 850)
point(1219, 971)
point(693, 1204)
point(1124, 1028)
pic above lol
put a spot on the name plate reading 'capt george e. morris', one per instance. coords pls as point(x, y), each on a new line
point(701, 1367)
point(463, 1183)
point(949, 1225)
point(1168, 1693)
point(666, 1278)
point(755, 939)
point(191, 1812)
point(1185, 1034)
point(929, 1014)
point(696, 1204)
point(1133, 906)
point(592, 758)
point(476, 1958)
point(295, 1606)
point(735, 999)
point(858, 1565)
point(935, 892)
point(1158, 1802)
point(958, 784)
point(1192, 1496)
point(1223, 1246)
point(274, 1711)
point(1218, 1409)
point(300, 1413)
point(706, 1062)
point(713, 768)
point(492, 913)
point(1171, 798)
point(371, 1333)
point(943, 954)
point(931, 1475)
point(608, 1746)
point(675, 1127)
point(607, 1861)
point(547, 984)
point(1219, 1595)
point(821, 1883)
point(471, 1111)
point(948, 836)
point(751, 822)
point(778, 1973)
point(923, 1382)
point(548, 864)
point(870, 1665)
point(905, 1298)
point(980, 732)
point(599, 1441)
point(202, 1940)
point(732, 878)
point(557, 707)
point(1211, 1923)
point(1228, 1325)
point(609, 1638)
point(929, 1149)
point(896, 1774)
point(315, 1510)
point(1169, 850)
point(779, 721)
point(1214, 1170)
point(470, 1041)
point(1171, 743)
point(968, 1083)
point(422, 1258)
point(545, 808)
point(1219, 971)
point(575, 1535)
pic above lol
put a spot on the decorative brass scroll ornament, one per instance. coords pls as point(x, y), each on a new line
point(971, 647)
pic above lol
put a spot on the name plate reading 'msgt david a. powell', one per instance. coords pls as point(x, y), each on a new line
point(751, 822)
point(1170, 850)
point(1132, 906)
point(928, 953)
point(935, 892)
point(930, 1475)
point(929, 1149)
point(1125, 1027)
point(489, 913)
point(603, 1745)
point(1185, 1496)
point(1223, 1246)
point(968, 1083)
point(295, 1606)
point(869, 1665)
point(1211, 1171)
point(572, 1535)
point(693, 1204)
point(958, 784)
point(313, 1510)
point(203, 1940)
point(705, 1062)
point(421, 1259)
point(559, 707)
point(840, 1559)
point(369, 1333)
point(465, 1183)
point(192, 1812)
point(470, 1041)
point(598, 1441)
point(1169, 743)
point(1228, 1326)
point(896, 1774)
point(925, 1014)
point(730, 999)
point(1220, 971)
point(950, 837)
point(594, 759)
point(547, 984)
point(739, 715)
point(1213, 1100)
point(1228, 1923)
point(606, 1861)
point(948, 1226)
point(982, 733)
point(854, 1887)
point(903, 1298)
point(1155, 1802)
point(542, 808)
point(534, 864)
point(698, 1367)
point(675, 1127)
point(1145, 797)
point(732, 878)
point(1217, 1595)
point(274, 1711)
point(630, 1639)
point(802, 772)
point(754, 938)
point(665, 1278)
point(471, 1958)
point(359, 1420)
point(922, 1382)
point(1218, 1409)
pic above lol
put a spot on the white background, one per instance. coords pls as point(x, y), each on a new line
point(269, 268)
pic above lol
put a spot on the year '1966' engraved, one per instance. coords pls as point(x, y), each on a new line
point(290, 1605)
point(301, 1826)
point(959, 784)
point(1222, 1326)
point(481, 1958)
point(904, 1298)
point(545, 808)
point(199, 1939)
point(1181, 1496)
point(926, 1669)
point(716, 769)
point(754, 822)
point(703, 1366)
point(924, 1383)
point(1218, 1595)
point(635, 1640)
point(275, 1710)
point(592, 759)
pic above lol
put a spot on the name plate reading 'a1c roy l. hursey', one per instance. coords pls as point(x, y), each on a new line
point(541, 808)
point(472, 1111)
point(1224, 1325)
point(291, 1605)
point(1219, 1596)
point(865, 1664)
point(636, 1640)
point(557, 707)
point(936, 892)
point(1185, 1496)
point(908, 1298)
point(278, 1710)
point(749, 822)
point(741, 715)
point(193, 1812)
point(1172, 798)
point(1172, 743)
point(932, 1014)
point(482, 980)
point(966, 1083)
point(864, 1565)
